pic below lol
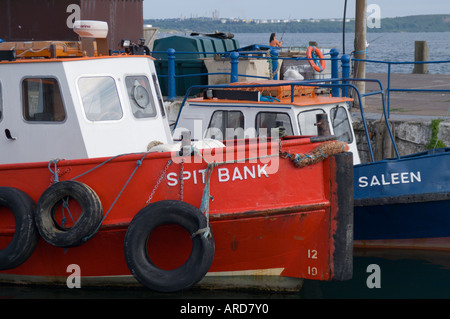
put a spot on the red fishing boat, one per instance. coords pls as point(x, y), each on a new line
point(81, 195)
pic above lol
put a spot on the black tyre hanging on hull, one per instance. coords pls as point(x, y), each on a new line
point(137, 256)
point(26, 236)
point(87, 223)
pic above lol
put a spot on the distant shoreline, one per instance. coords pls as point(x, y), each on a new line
point(419, 23)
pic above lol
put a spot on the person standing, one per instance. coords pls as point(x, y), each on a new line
point(274, 42)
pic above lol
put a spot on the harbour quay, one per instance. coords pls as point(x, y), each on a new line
point(418, 119)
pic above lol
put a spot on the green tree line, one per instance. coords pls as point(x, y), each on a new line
point(420, 23)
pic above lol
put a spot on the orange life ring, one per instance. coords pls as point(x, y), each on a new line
point(313, 59)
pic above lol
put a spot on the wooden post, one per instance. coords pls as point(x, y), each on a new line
point(360, 43)
point(421, 53)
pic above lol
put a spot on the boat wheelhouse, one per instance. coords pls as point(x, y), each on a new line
point(258, 109)
point(79, 108)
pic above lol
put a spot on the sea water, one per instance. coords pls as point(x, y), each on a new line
point(396, 47)
point(392, 46)
point(377, 274)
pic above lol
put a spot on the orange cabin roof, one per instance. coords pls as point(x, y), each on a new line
point(303, 95)
point(41, 51)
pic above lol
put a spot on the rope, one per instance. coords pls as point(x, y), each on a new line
point(316, 59)
point(317, 155)
point(204, 207)
point(55, 172)
point(206, 197)
point(138, 164)
point(99, 165)
point(360, 52)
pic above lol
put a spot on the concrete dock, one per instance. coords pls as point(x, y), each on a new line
point(411, 103)
point(411, 114)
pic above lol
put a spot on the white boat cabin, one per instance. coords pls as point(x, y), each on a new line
point(229, 113)
point(82, 107)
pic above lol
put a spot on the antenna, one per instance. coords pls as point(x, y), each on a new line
point(343, 27)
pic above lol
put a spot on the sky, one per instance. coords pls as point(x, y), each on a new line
point(286, 9)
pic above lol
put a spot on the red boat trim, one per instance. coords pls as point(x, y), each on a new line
point(303, 209)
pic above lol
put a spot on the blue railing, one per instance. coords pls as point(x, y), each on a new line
point(344, 60)
point(389, 89)
point(234, 62)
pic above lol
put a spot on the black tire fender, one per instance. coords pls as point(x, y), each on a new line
point(26, 236)
point(136, 254)
point(86, 225)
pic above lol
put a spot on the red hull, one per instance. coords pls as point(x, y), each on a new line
point(294, 222)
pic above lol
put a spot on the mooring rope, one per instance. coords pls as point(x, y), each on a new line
point(138, 164)
point(55, 172)
point(204, 206)
point(317, 155)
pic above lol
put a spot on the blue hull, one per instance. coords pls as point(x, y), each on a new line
point(401, 199)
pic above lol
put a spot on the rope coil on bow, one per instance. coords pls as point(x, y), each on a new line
point(317, 155)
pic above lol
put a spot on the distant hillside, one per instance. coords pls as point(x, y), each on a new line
point(420, 23)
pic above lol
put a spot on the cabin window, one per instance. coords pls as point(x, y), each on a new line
point(159, 95)
point(226, 125)
point(140, 96)
point(341, 124)
point(307, 121)
point(42, 100)
point(100, 98)
point(268, 122)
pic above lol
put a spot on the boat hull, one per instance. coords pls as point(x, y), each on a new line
point(404, 203)
point(271, 227)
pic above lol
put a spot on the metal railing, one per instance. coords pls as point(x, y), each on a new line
point(389, 89)
point(344, 61)
point(234, 56)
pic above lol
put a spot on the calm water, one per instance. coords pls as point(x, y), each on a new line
point(398, 47)
point(403, 275)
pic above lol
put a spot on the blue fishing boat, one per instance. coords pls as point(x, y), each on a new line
point(403, 202)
